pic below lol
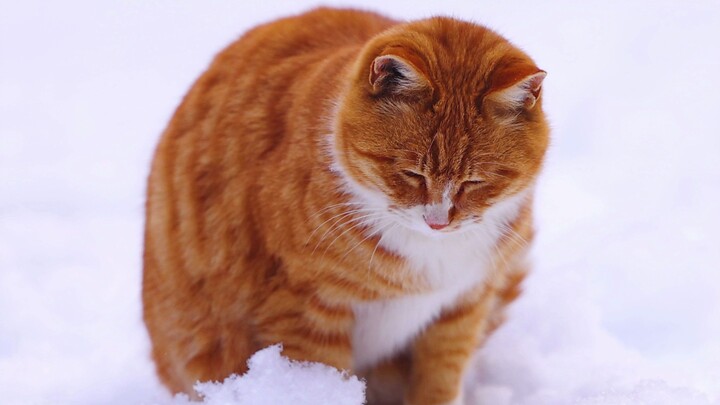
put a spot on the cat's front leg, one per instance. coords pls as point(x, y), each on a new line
point(441, 353)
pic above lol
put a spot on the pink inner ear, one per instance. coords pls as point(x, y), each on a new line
point(380, 67)
point(405, 76)
point(535, 82)
point(518, 85)
point(508, 76)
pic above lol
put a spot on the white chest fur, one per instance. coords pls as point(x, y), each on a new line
point(383, 328)
point(451, 264)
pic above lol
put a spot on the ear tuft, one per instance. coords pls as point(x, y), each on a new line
point(522, 91)
point(393, 74)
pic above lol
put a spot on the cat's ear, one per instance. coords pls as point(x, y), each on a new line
point(517, 87)
point(395, 75)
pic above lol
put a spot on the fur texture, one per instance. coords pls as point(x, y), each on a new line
point(353, 187)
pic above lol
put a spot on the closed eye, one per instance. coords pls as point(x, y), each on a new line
point(471, 185)
point(413, 178)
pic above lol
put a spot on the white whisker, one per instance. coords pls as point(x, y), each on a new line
point(359, 221)
point(331, 206)
point(379, 230)
point(385, 231)
point(339, 219)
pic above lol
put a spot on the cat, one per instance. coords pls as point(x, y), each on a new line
point(356, 188)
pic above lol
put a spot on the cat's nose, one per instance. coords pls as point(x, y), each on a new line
point(437, 216)
point(436, 223)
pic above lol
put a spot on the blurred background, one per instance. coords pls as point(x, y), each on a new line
point(623, 305)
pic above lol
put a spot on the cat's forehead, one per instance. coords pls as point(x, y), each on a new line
point(461, 56)
point(447, 155)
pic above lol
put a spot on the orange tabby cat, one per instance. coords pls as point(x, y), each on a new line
point(355, 188)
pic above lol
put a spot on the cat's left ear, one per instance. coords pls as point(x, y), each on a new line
point(518, 87)
point(396, 73)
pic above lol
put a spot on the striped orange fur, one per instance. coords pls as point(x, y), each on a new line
point(356, 188)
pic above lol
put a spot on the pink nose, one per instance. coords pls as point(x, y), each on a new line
point(434, 224)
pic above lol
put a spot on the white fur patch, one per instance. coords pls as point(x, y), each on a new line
point(452, 264)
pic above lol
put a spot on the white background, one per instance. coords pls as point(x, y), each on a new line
point(624, 302)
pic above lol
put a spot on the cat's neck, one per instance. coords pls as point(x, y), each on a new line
point(463, 257)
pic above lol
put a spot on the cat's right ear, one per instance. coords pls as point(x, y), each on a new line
point(517, 86)
point(391, 74)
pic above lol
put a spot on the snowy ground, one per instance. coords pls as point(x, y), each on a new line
point(624, 303)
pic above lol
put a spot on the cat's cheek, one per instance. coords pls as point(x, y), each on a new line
point(401, 193)
point(410, 198)
point(472, 211)
point(363, 177)
point(470, 201)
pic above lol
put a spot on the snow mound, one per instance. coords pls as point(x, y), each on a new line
point(273, 379)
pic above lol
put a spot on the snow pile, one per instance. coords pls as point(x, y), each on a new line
point(273, 379)
point(567, 356)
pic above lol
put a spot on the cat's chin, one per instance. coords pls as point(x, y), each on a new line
point(424, 230)
point(439, 235)
point(431, 233)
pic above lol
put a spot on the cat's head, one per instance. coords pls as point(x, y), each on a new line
point(442, 121)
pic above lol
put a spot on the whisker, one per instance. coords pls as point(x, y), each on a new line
point(334, 226)
point(379, 230)
point(360, 223)
point(494, 163)
point(495, 253)
point(329, 207)
point(350, 221)
point(515, 237)
point(385, 231)
point(491, 174)
point(502, 257)
point(416, 153)
point(432, 141)
point(402, 215)
point(339, 216)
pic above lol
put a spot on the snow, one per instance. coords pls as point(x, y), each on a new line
point(272, 379)
point(623, 305)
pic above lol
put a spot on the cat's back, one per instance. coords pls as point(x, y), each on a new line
point(230, 135)
point(318, 29)
point(310, 35)
point(244, 98)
